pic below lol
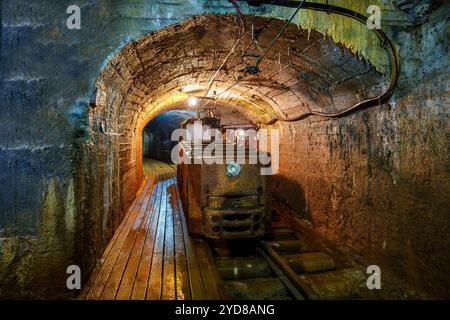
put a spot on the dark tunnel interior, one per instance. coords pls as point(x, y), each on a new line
point(156, 141)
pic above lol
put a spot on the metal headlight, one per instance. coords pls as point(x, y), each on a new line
point(232, 169)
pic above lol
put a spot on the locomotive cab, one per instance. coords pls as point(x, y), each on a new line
point(227, 199)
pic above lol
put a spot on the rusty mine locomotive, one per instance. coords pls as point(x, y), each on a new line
point(225, 199)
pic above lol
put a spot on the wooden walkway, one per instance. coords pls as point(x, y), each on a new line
point(151, 255)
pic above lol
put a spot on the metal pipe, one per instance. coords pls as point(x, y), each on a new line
point(258, 61)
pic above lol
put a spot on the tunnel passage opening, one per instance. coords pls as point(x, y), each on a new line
point(305, 70)
point(157, 140)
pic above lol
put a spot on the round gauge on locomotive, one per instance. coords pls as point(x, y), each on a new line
point(232, 169)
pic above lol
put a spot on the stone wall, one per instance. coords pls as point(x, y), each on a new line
point(59, 178)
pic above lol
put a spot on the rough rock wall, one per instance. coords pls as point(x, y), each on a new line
point(378, 182)
point(60, 181)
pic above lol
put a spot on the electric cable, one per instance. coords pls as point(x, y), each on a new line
point(280, 33)
point(385, 42)
point(241, 24)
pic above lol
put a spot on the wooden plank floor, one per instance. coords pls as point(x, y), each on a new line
point(151, 255)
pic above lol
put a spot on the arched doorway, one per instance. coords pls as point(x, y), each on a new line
point(304, 71)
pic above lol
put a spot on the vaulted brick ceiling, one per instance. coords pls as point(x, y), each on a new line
point(303, 71)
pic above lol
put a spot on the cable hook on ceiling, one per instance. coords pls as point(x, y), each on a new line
point(240, 20)
point(385, 43)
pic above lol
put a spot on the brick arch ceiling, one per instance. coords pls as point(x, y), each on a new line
point(303, 71)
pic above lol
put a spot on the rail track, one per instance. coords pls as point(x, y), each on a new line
point(284, 265)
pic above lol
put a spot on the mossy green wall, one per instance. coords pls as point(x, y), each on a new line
point(347, 31)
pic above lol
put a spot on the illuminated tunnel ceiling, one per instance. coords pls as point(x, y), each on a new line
point(304, 71)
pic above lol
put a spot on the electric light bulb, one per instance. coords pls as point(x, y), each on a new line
point(192, 101)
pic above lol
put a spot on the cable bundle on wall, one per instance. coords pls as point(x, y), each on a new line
point(253, 69)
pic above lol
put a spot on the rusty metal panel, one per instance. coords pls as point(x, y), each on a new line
point(219, 206)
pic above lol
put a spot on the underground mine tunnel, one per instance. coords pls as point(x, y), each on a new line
point(346, 102)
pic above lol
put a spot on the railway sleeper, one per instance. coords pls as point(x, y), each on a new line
point(310, 262)
point(243, 268)
point(289, 246)
point(257, 289)
point(340, 284)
